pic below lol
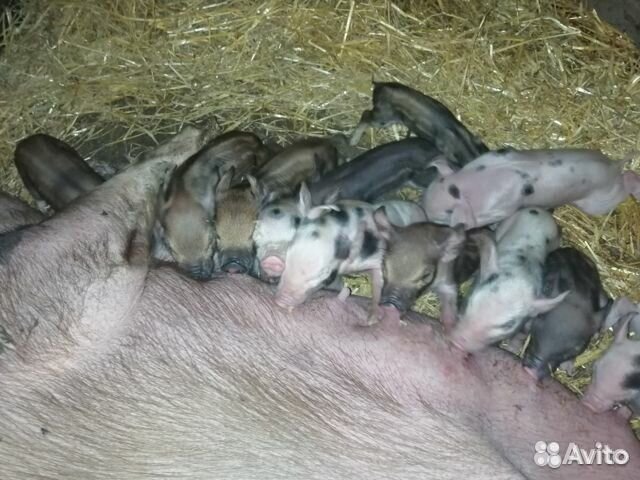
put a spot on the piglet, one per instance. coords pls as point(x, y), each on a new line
point(508, 288)
point(423, 115)
point(379, 171)
point(333, 240)
point(616, 375)
point(237, 151)
point(421, 256)
point(236, 212)
point(186, 216)
point(53, 172)
point(278, 221)
point(185, 230)
point(495, 185)
point(302, 161)
point(560, 335)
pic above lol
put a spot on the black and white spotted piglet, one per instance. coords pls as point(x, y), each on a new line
point(508, 289)
point(561, 334)
point(333, 240)
point(616, 375)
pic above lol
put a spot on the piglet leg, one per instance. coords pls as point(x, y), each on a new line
point(445, 287)
point(376, 293)
point(98, 245)
point(357, 133)
point(344, 294)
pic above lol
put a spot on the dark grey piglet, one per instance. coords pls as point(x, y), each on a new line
point(561, 334)
point(423, 115)
point(616, 375)
point(301, 161)
point(379, 171)
point(53, 172)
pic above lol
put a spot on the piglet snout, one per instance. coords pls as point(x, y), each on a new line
point(234, 267)
point(199, 271)
point(272, 266)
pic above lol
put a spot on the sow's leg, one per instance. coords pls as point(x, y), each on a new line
point(70, 281)
point(14, 213)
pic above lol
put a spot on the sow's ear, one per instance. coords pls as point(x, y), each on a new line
point(488, 253)
point(544, 305)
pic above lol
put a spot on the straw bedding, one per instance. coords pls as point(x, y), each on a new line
point(115, 77)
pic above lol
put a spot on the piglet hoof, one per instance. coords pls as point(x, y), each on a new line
point(344, 294)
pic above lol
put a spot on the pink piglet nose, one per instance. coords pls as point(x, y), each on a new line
point(272, 265)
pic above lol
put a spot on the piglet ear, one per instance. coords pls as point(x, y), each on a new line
point(488, 253)
point(202, 188)
point(315, 212)
point(259, 191)
point(225, 182)
point(166, 193)
point(544, 305)
point(255, 186)
point(304, 199)
point(441, 164)
point(382, 222)
point(207, 197)
point(333, 196)
point(454, 244)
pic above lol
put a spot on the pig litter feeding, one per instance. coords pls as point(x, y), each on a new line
point(114, 78)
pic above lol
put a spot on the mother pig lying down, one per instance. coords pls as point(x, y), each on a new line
point(110, 370)
point(497, 184)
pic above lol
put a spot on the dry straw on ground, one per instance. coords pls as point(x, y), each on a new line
point(112, 75)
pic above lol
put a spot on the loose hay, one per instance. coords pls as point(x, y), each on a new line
point(114, 76)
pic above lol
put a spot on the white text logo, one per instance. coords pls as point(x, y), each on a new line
point(548, 454)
